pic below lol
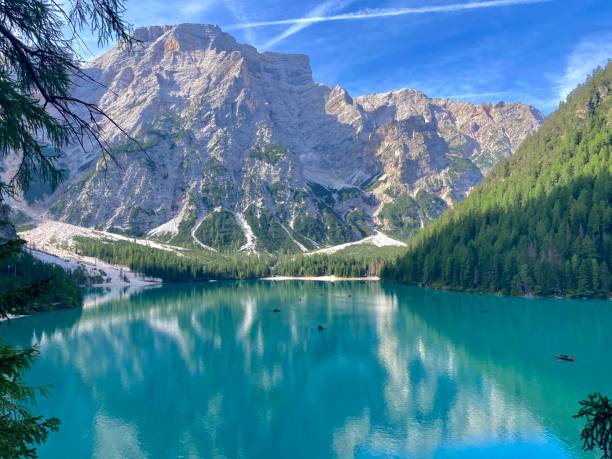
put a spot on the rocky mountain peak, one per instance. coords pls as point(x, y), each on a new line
point(187, 37)
point(247, 145)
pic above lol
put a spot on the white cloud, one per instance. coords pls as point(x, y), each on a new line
point(322, 9)
point(388, 12)
point(237, 8)
point(588, 54)
point(195, 6)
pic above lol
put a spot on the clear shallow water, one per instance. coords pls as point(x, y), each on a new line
point(211, 371)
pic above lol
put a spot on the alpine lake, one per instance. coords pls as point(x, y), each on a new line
point(213, 371)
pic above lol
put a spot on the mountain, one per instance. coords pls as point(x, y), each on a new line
point(541, 223)
point(241, 150)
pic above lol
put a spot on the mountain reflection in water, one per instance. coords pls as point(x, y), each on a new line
point(210, 370)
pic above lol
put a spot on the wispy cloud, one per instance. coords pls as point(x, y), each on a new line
point(237, 8)
point(327, 7)
point(150, 12)
point(195, 6)
point(387, 12)
point(588, 54)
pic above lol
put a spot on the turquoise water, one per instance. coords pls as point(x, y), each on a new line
point(211, 371)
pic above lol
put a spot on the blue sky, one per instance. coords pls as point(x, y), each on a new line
point(532, 51)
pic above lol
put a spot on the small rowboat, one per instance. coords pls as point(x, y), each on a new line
point(567, 358)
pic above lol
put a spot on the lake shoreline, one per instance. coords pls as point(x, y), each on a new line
point(328, 341)
point(320, 278)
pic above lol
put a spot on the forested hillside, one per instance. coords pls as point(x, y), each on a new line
point(357, 261)
point(541, 223)
point(175, 267)
point(60, 288)
point(198, 265)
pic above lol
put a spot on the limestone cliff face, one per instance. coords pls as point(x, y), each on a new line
point(242, 149)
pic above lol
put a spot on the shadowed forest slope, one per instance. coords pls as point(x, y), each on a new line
point(541, 223)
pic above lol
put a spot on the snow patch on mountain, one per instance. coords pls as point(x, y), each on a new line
point(250, 246)
point(378, 240)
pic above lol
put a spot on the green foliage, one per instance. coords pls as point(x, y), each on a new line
point(371, 183)
point(38, 66)
point(38, 188)
point(310, 227)
point(356, 261)
point(198, 265)
point(401, 216)
point(271, 236)
point(322, 265)
point(218, 185)
point(220, 230)
point(19, 429)
point(28, 285)
point(337, 231)
point(358, 221)
point(20, 220)
point(393, 191)
point(269, 153)
point(136, 215)
point(323, 194)
point(459, 165)
point(276, 189)
point(431, 205)
point(346, 194)
point(328, 228)
point(169, 266)
point(214, 167)
point(22, 118)
point(39, 116)
point(152, 139)
point(183, 237)
point(457, 149)
point(541, 223)
point(597, 432)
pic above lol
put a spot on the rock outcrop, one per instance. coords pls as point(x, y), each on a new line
point(241, 149)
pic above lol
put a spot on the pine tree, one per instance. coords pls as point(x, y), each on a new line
point(545, 213)
point(38, 116)
point(597, 433)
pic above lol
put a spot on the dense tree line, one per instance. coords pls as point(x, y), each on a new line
point(541, 223)
point(338, 264)
point(322, 265)
point(173, 266)
point(21, 269)
point(189, 266)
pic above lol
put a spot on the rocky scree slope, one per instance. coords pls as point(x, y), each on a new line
point(244, 151)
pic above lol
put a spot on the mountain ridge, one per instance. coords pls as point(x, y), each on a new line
point(229, 131)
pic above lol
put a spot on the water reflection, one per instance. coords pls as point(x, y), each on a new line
point(211, 370)
point(98, 296)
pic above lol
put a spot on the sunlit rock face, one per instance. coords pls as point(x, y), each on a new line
point(226, 130)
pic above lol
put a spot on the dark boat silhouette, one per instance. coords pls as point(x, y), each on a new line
point(567, 358)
